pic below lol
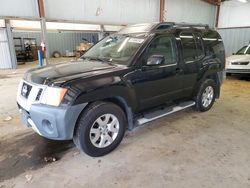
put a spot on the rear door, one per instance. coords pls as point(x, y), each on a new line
point(192, 55)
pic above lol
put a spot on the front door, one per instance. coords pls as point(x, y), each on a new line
point(158, 84)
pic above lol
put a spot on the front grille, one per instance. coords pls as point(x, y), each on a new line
point(39, 94)
point(25, 91)
point(238, 71)
point(240, 63)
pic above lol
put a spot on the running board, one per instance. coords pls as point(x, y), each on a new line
point(164, 112)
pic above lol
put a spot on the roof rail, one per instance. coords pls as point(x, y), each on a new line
point(167, 25)
point(183, 24)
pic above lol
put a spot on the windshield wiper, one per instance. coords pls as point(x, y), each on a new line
point(104, 60)
point(95, 59)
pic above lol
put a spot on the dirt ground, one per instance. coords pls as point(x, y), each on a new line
point(186, 149)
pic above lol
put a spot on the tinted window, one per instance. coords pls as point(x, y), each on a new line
point(162, 46)
point(188, 46)
point(212, 42)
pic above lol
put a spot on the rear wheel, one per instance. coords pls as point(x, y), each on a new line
point(206, 95)
point(100, 129)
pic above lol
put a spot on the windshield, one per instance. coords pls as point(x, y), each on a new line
point(118, 48)
point(244, 50)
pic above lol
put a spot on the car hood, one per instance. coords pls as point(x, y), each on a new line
point(60, 73)
point(238, 58)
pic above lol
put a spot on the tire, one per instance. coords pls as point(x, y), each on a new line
point(206, 95)
point(100, 129)
point(56, 54)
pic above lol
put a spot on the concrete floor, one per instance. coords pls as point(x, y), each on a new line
point(186, 149)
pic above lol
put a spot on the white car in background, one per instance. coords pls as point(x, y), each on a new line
point(239, 63)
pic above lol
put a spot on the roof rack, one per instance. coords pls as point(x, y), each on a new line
point(206, 26)
point(167, 25)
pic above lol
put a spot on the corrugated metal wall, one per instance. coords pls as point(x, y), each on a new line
point(23, 8)
point(5, 59)
point(192, 11)
point(60, 41)
point(104, 11)
point(234, 38)
point(234, 14)
point(68, 41)
point(101, 11)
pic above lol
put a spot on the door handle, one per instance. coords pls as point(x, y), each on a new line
point(178, 70)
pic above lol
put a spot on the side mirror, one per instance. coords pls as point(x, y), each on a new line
point(155, 60)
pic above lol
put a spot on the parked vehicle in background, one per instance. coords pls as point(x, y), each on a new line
point(132, 77)
point(239, 63)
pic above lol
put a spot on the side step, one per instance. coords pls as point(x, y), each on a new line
point(164, 112)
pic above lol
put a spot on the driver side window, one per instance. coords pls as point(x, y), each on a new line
point(162, 46)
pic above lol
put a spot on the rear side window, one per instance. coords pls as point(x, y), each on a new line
point(188, 47)
point(212, 43)
point(163, 45)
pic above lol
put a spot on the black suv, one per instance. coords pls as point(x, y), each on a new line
point(129, 78)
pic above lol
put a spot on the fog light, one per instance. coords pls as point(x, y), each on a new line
point(47, 126)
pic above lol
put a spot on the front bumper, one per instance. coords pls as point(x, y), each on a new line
point(52, 122)
point(55, 123)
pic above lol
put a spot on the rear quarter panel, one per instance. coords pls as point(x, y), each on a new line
point(214, 47)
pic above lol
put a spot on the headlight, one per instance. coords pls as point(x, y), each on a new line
point(53, 96)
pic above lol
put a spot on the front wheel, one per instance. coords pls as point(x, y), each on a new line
point(206, 95)
point(100, 129)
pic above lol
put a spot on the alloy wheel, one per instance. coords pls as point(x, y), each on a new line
point(104, 130)
point(207, 96)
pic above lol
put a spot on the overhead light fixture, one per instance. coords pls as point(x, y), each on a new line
point(243, 1)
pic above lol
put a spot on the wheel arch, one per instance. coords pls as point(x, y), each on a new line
point(213, 75)
point(119, 101)
point(215, 78)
